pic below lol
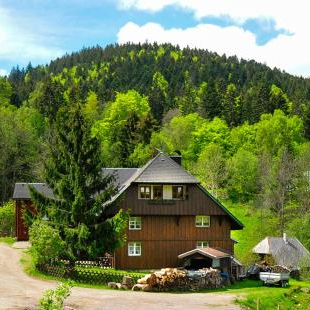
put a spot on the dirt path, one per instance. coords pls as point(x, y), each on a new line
point(18, 291)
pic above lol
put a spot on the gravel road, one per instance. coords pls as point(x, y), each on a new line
point(19, 291)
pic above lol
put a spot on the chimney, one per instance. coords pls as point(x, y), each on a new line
point(177, 159)
point(285, 238)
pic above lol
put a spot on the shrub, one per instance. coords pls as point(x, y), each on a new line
point(46, 242)
point(7, 219)
point(54, 299)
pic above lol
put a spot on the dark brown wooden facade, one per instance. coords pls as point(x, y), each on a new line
point(168, 228)
point(166, 216)
point(163, 238)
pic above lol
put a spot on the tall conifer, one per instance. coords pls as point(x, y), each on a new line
point(74, 172)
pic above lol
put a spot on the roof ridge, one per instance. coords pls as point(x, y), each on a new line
point(142, 169)
point(179, 166)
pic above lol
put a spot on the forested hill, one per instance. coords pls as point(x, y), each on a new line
point(241, 127)
point(190, 79)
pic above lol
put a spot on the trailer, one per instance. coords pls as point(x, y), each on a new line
point(273, 278)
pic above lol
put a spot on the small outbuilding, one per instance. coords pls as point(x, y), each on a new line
point(206, 258)
point(284, 251)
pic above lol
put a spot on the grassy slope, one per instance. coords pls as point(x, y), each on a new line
point(255, 229)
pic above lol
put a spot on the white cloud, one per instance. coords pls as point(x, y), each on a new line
point(289, 53)
point(290, 15)
point(3, 72)
point(16, 42)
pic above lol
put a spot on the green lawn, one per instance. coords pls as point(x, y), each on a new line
point(7, 240)
point(296, 296)
point(255, 229)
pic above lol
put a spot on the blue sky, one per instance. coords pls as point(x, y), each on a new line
point(38, 31)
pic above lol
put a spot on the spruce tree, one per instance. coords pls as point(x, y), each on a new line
point(74, 172)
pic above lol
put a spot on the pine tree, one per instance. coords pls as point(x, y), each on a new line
point(74, 172)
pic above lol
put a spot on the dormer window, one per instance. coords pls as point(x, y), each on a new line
point(177, 191)
point(157, 192)
point(145, 192)
point(162, 192)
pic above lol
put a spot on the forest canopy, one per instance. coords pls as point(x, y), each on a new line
point(242, 128)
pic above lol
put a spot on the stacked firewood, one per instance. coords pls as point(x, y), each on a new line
point(174, 279)
point(264, 266)
point(279, 269)
point(210, 278)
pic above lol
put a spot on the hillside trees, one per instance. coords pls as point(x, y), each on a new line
point(6, 92)
point(73, 171)
point(20, 147)
point(126, 122)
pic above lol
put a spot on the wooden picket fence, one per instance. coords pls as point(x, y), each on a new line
point(95, 276)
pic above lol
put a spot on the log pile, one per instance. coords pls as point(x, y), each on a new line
point(264, 266)
point(209, 278)
point(279, 269)
point(168, 279)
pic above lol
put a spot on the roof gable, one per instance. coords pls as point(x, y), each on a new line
point(290, 253)
point(22, 191)
point(163, 169)
point(207, 252)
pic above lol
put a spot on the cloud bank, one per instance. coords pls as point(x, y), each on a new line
point(289, 52)
point(24, 45)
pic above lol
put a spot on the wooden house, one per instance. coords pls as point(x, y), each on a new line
point(171, 215)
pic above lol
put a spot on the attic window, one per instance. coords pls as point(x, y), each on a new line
point(177, 191)
point(145, 192)
point(157, 192)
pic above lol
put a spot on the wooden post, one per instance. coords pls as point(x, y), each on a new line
point(279, 307)
point(258, 304)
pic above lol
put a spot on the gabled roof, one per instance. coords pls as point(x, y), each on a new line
point(208, 252)
point(21, 190)
point(289, 252)
point(163, 169)
point(122, 175)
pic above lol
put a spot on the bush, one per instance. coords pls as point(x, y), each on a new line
point(7, 219)
point(54, 299)
point(46, 242)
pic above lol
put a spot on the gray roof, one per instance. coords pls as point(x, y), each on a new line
point(163, 169)
point(288, 252)
point(160, 169)
point(121, 174)
point(21, 190)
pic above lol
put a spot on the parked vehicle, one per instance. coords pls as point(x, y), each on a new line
point(253, 272)
point(272, 278)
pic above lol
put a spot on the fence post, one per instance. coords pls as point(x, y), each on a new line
point(279, 307)
point(258, 304)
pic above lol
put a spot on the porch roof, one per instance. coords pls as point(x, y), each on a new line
point(207, 252)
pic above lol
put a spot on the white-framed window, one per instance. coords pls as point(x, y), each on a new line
point(202, 221)
point(134, 248)
point(216, 263)
point(145, 192)
point(135, 223)
point(202, 244)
